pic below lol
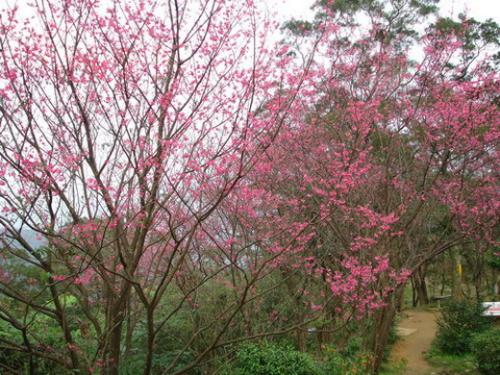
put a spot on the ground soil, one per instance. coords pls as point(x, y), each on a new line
point(416, 329)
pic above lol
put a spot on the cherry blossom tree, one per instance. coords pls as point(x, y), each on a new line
point(396, 158)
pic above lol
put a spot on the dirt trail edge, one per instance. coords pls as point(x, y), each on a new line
point(416, 330)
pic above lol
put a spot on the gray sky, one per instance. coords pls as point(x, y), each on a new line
point(287, 9)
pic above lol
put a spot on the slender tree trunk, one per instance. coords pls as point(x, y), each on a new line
point(129, 331)
point(383, 321)
point(293, 286)
point(324, 332)
point(423, 296)
point(63, 322)
point(414, 297)
point(456, 286)
point(477, 284)
point(496, 283)
point(420, 285)
point(113, 362)
point(115, 317)
point(150, 343)
point(443, 282)
point(300, 331)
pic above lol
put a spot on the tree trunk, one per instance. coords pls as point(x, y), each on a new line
point(113, 360)
point(443, 281)
point(292, 281)
point(477, 285)
point(496, 283)
point(129, 331)
point(383, 321)
point(456, 286)
point(421, 285)
point(115, 318)
point(150, 343)
point(423, 296)
point(414, 297)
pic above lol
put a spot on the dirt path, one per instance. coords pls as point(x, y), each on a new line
point(417, 329)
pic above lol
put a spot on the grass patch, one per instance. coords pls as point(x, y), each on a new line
point(448, 364)
point(393, 368)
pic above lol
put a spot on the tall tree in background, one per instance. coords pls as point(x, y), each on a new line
point(407, 147)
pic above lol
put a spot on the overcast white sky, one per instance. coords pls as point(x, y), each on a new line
point(287, 9)
point(479, 9)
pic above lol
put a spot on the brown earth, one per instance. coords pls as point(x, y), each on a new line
point(416, 330)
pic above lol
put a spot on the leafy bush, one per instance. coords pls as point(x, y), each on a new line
point(492, 259)
point(341, 363)
point(454, 364)
point(271, 359)
point(459, 321)
point(391, 339)
point(351, 359)
point(486, 350)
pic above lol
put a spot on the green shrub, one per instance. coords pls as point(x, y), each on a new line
point(492, 259)
point(454, 364)
point(486, 350)
point(271, 359)
point(459, 321)
point(336, 363)
point(341, 363)
point(351, 359)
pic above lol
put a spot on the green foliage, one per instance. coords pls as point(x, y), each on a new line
point(391, 339)
point(422, 7)
point(298, 27)
point(398, 19)
point(348, 361)
point(492, 259)
point(278, 359)
point(487, 32)
point(454, 364)
point(350, 6)
point(459, 321)
point(132, 364)
point(19, 361)
point(271, 359)
point(447, 25)
point(164, 360)
point(486, 350)
point(474, 34)
point(393, 368)
point(169, 343)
